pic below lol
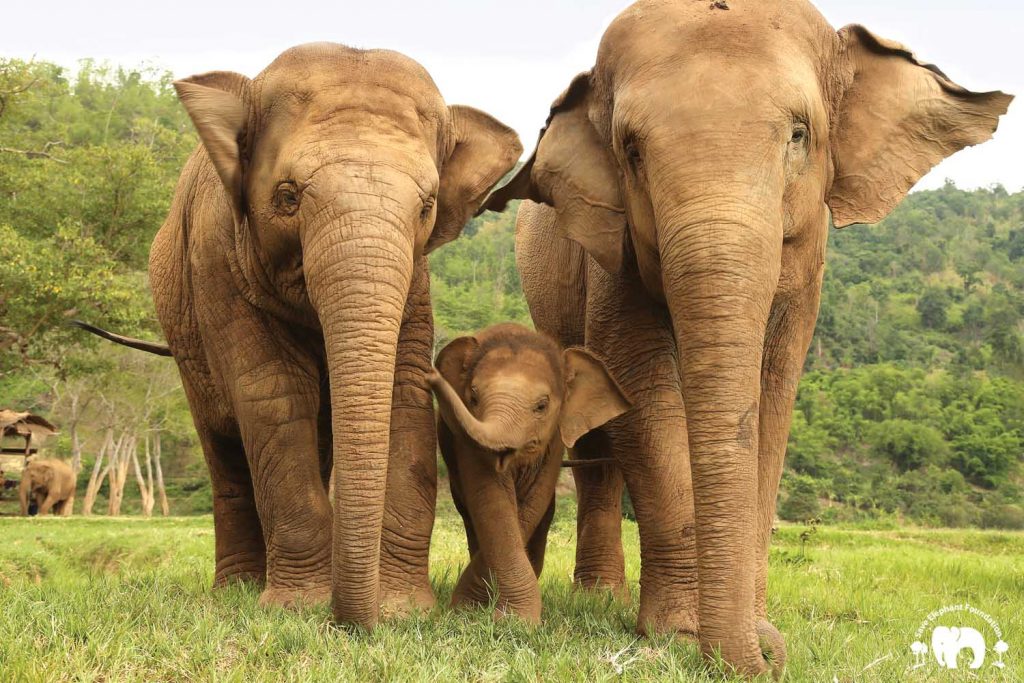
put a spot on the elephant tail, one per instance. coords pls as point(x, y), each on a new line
point(588, 463)
point(140, 344)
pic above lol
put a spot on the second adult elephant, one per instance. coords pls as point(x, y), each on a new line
point(291, 282)
point(693, 171)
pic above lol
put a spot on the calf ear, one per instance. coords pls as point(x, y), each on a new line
point(592, 397)
point(574, 172)
point(482, 151)
point(897, 119)
point(216, 103)
point(453, 362)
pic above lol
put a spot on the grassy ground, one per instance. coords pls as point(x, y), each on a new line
point(129, 600)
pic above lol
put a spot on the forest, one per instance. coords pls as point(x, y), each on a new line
point(911, 408)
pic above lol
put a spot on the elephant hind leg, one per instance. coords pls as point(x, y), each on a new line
point(67, 507)
point(240, 551)
point(600, 563)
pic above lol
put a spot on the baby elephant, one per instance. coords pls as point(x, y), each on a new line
point(51, 483)
point(509, 400)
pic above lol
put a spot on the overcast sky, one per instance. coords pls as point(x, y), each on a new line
point(508, 57)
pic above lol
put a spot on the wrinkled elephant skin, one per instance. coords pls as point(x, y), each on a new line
point(51, 484)
point(693, 171)
point(509, 399)
point(291, 282)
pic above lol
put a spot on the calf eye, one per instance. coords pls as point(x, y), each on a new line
point(474, 397)
point(286, 198)
point(542, 406)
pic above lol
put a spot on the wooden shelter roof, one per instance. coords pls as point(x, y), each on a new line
point(13, 423)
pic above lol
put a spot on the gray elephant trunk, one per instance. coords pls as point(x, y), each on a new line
point(491, 434)
point(358, 271)
point(720, 263)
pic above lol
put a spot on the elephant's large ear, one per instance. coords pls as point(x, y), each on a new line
point(453, 361)
point(574, 172)
point(481, 152)
point(898, 118)
point(216, 102)
point(592, 397)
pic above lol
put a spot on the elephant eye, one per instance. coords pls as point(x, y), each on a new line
point(633, 155)
point(800, 133)
point(286, 198)
point(474, 397)
point(542, 406)
point(428, 208)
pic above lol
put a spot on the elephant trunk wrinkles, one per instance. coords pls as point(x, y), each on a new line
point(358, 272)
point(720, 267)
point(490, 434)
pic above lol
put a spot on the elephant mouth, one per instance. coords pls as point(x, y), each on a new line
point(502, 458)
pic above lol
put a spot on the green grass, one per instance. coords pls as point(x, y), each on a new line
point(129, 600)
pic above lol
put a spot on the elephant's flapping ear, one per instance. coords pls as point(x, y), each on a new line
point(574, 172)
point(216, 103)
point(452, 362)
point(482, 150)
point(898, 118)
point(592, 397)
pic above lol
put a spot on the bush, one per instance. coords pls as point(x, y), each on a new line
point(802, 500)
point(1003, 517)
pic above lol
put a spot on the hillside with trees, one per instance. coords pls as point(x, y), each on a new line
point(912, 407)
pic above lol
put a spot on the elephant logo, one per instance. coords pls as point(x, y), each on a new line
point(949, 642)
point(958, 647)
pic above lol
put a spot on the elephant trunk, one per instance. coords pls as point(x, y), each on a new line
point(720, 260)
point(491, 434)
point(358, 270)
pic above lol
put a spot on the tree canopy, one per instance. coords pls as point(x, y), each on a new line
point(912, 406)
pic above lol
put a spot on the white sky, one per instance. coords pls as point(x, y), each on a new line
point(508, 57)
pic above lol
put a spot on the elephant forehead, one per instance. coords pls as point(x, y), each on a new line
point(525, 370)
point(326, 78)
point(758, 32)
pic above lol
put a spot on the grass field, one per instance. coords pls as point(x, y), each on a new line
point(129, 600)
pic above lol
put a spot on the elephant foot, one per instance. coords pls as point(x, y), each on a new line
point(252, 576)
point(396, 604)
point(768, 657)
point(295, 598)
point(662, 615)
point(530, 614)
point(599, 585)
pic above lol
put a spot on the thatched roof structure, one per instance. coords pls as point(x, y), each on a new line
point(25, 425)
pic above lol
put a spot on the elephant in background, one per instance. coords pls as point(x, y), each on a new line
point(948, 643)
point(290, 279)
point(51, 484)
point(509, 399)
point(694, 171)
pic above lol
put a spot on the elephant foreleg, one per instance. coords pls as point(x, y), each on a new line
point(275, 394)
point(789, 333)
point(67, 507)
point(412, 465)
point(47, 504)
point(650, 444)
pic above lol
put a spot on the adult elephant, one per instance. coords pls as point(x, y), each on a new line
point(291, 282)
point(694, 170)
point(50, 484)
